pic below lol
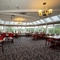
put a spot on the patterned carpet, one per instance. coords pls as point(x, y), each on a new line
point(24, 48)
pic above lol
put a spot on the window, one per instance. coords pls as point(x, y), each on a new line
point(40, 28)
point(8, 29)
point(23, 30)
point(1, 28)
point(29, 29)
point(44, 28)
point(55, 18)
point(57, 29)
point(50, 29)
point(19, 28)
point(36, 29)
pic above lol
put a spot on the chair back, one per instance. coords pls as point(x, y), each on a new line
point(10, 35)
point(1, 38)
point(3, 35)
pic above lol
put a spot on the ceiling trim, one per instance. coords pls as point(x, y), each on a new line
point(24, 10)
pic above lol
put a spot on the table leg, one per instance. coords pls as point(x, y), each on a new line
point(2, 46)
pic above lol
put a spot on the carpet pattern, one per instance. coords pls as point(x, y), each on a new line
point(24, 48)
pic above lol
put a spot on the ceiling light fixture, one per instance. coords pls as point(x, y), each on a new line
point(19, 22)
point(45, 12)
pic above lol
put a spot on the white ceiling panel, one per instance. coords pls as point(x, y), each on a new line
point(28, 9)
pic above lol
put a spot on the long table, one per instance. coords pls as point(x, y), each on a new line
point(55, 39)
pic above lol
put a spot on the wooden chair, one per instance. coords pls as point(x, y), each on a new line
point(49, 41)
point(3, 35)
point(10, 37)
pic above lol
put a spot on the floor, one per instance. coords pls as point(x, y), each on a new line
point(24, 48)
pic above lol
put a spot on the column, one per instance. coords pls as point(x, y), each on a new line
point(47, 29)
point(53, 28)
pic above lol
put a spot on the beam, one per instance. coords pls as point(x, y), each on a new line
point(22, 15)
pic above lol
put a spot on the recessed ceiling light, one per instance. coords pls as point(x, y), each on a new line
point(17, 6)
point(9, 0)
point(7, 7)
point(29, 13)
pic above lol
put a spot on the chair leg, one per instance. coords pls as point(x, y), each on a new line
point(45, 43)
point(2, 47)
point(49, 43)
point(12, 40)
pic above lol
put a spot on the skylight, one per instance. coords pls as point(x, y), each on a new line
point(27, 23)
point(11, 22)
point(16, 23)
point(42, 21)
point(34, 23)
point(48, 20)
point(55, 18)
point(24, 23)
point(59, 15)
point(31, 23)
point(38, 22)
point(7, 22)
point(2, 22)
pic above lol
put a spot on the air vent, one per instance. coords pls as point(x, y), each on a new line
point(23, 13)
point(12, 16)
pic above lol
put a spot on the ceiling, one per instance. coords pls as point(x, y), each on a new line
point(26, 9)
